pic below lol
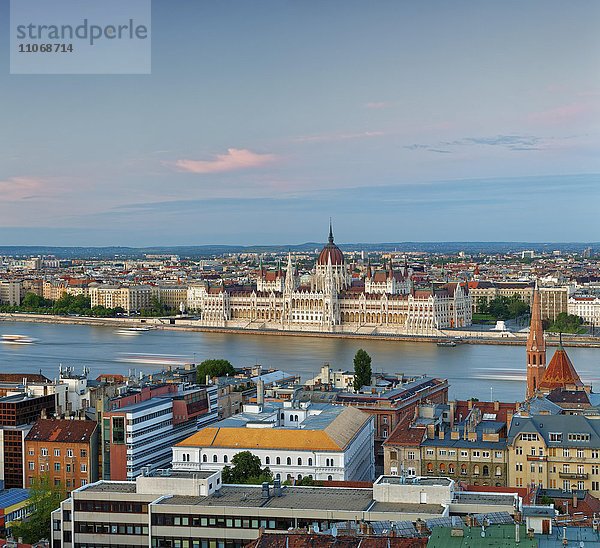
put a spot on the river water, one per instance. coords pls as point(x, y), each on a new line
point(480, 371)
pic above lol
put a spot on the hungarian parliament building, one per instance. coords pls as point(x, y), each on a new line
point(383, 301)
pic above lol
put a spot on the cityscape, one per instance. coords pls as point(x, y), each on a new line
point(282, 274)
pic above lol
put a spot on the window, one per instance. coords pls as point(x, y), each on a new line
point(299, 461)
point(451, 468)
point(225, 459)
point(57, 452)
point(498, 454)
point(529, 437)
point(83, 453)
point(519, 467)
point(566, 452)
point(580, 453)
point(44, 452)
point(464, 454)
point(214, 458)
point(83, 467)
point(442, 452)
point(310, 461)
point(595, 453)
point(518, 450)
point(267, 460)
point(556, 436)
point(69, 452)
point(498, 471)
point(289, 460)
point(580, 469)
point(204, 458)
point(596, 486)
point(57, 466)
point(476, 453)
point(485, 454)
point(429, 452)
point(31, 465)
point(463, 469)
point(278, 460)
point(118, 430)
point(31, 452)
point(476, 470)
point(533, 451)
point(581, 485)
point(83, 482)
point(410, 455)
point(594, 469)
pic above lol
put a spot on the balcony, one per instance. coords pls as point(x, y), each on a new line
point(572, 475)
point(540, 458)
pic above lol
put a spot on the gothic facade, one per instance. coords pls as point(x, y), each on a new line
point(384, 302)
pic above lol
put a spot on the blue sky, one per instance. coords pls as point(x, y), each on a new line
point(421, 121)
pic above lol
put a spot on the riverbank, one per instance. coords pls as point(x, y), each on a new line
point(186, 324)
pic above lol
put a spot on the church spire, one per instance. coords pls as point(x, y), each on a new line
point(536, 346)
point(330, 232)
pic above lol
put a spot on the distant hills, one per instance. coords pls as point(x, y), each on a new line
point(203, 251)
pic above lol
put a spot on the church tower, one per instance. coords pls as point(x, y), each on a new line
point(536, 346)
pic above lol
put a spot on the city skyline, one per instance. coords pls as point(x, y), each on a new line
point(258, 123)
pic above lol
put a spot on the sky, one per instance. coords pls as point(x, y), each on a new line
point(400, 120)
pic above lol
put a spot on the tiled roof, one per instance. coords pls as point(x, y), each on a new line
point(62, 430)
point(301, 540)
point(18, 377)
point(403, 435)
point(560, 372)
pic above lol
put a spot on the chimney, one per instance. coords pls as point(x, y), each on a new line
point(574, 499)
point(260, 392)
point(452, 413)
point(277, 487)
point(43, 413)
point(265, 490)
point(470, 404)
point(496, 405)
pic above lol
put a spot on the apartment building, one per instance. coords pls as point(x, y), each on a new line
point(129, 298)
point(65, 450)
point(586, 307)
point(464, 440)
point(139, 429)
point(17, 413)
point(10, 292)
point(555, 452)
point(173, 296)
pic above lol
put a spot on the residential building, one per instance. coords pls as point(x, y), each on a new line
point(129, 298)
point(555, 452)
point(294, 440)
point(17, 413)
point(63, 449)
point(586, 307)
point(10, 292)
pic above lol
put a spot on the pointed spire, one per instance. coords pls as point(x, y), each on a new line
point(536, 346)
point(330, 232)
point(369, 273)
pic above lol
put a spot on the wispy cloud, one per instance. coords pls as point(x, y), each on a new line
point(510, 142)
point(379, 104)
point(331, 137)
point(563, 113)
point(235, 159)
point(19, 188)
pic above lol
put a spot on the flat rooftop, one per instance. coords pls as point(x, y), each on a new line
point(418, 480)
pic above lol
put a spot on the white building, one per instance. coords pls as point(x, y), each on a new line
point(586, 307)
point(343, 380)
point(325, 442)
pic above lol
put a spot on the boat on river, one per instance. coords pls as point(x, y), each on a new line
point(17, 339)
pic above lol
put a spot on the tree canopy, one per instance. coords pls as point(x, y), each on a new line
point(362, 369)
point(67, 304)
point(505, 308)
point(213, 368)
point(246, 469)
point(45, 498)
point(566, 323)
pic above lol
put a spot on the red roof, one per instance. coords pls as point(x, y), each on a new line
point(560, 372)
point(404, 435)
point(301, 540)
point(62, 430)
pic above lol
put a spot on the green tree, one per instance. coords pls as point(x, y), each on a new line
point(362, 369)
point(566, 323)
point(31, 301)
point(213, 368)
point(45, 498)
point(246, 469)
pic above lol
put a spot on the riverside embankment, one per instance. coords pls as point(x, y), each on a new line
point(464, 336)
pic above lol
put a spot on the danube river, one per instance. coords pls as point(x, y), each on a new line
point(481, 371)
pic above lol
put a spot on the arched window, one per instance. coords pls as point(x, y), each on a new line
point(486, 470)
point(204, 458)
point(498, 470)
point(299, 461)
point(476, 470)
point(329, 478)
point(442, 468)
point(289, 460)
point(463, 469)
point(310, 461)
point(278, 476)
point(429, 468)
point(225, 459)
point(214, 458)
point(451, 469)
point(299, 476)
point(278, 461)
point(267, 460)
point(289, 477)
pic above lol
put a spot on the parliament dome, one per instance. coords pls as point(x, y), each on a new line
point(331, 251)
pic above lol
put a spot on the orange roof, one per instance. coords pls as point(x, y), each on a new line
point(560, 372)
point(262, 438)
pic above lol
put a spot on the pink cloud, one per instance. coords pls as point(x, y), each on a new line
point(379, 104)
point(562, 113)
point(235, 159)
point(19, 188)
